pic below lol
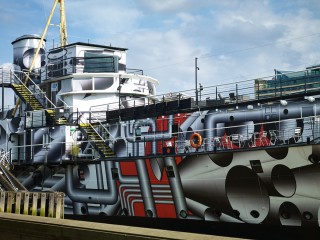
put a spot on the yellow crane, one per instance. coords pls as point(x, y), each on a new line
point(63, 39)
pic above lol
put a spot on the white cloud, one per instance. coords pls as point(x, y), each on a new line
point(234, 39)
point(7, 66)
point(165, 5)
point(168, 56)
point(101, 19)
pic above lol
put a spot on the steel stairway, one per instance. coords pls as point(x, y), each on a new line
point(36, 99)
point(8, 181)
point(97, 137)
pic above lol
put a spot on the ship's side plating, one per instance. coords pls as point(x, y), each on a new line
point(253, 163)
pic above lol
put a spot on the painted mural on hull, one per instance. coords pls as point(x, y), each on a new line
point(256, 179)
point(135, 155)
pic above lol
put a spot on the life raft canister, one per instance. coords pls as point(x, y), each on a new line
point(196, 140)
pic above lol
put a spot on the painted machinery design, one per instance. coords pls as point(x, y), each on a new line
point(245, 165)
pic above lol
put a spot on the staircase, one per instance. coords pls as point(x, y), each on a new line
point(27, 96)
point(8, 181)
point(36, 99)
point(97, 139)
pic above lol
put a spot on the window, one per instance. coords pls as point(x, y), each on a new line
point(97, 62)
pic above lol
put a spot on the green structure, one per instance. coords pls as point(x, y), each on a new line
point(286, 83)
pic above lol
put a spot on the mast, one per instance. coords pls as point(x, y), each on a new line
point(63, 40)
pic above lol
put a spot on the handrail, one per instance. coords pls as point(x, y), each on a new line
point(4, 163)
point(63, 102)
point(93, 129)
point(4, 158)
point(244, 91)
point(100, 123)
point(34, 84)
point(311, 131)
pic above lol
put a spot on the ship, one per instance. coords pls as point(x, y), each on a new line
point(83, 123)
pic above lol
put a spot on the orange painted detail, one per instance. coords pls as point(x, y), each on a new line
point(196, 140)
point(178, 159)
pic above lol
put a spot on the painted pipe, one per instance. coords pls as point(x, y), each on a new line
point(246, 195)
point(197, 125)
point(309, 209)
point(80, 208)
point(128, 188)
point(194, 166)
point(55, 151)
point(28, 182)
point(51, 181)
point(100, 183)
point(209, 214)
point(169, 202)
point(59, 186)
point(143, 175)
point(278, 179)
point(295, 211)
point(126, 179)
point(149, 136)
point(204, 182)
point(157, 166)
point(131, 198)
point(176, 188)
point(110, 210)
point(152, 136)
point(120, 148)
point(234, 190)
point(308, 178)
point(188, 122)
point(260, 115)
point(109, 196)
point(99, 176)
point(289, 214)
point(183, 130)
point(146, 191)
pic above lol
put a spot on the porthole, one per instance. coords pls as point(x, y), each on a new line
point(254, 213)
point(307, 215)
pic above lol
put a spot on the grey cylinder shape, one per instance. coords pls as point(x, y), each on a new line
point(24, 49)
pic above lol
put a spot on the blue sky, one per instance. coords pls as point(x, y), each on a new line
point(234, 40)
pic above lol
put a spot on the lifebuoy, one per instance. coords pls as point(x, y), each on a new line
point(196, 140)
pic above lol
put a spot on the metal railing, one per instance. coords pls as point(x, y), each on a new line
point(65, 66)
point(8, 76)
point(232, 138)
point(33, 89)
point(303, 82)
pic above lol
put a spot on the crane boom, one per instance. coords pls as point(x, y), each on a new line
point(63, 40)
point(63, 25)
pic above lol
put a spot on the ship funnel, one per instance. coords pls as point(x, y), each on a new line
point(24, 49)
